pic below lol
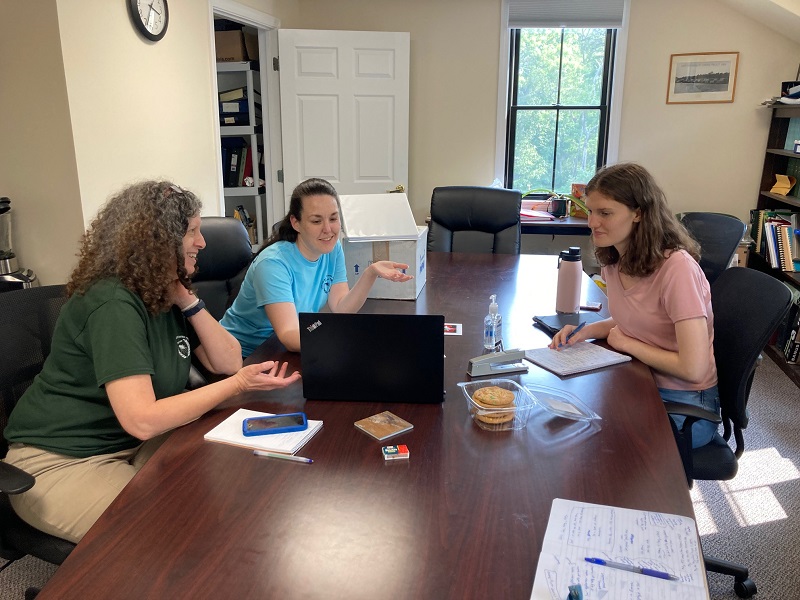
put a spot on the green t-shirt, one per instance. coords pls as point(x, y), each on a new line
point(101, 336)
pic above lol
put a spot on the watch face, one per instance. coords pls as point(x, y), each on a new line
point(150, 17)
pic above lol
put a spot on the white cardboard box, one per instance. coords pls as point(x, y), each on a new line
point(359, 255)
point(381, 227)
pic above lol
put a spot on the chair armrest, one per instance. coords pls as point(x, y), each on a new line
point(14, 480)
point(691, 412)
point(196, 378)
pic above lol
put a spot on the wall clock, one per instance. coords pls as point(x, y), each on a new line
point(150, 17)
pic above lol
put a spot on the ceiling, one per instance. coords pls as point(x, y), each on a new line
point(782, 16)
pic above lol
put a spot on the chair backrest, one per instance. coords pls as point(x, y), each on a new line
point(27, 320)
point(748, 306)
point(475, 219)
point(718, 236)
point(221, 265)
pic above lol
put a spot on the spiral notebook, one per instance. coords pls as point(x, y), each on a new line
point(580, 357)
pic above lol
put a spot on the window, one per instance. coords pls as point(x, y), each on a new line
point(559, 91)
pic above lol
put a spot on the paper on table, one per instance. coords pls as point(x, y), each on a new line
point(230, 432)
point(659, 541)
point(580, 357)
point(783, 184)
point(535, 215)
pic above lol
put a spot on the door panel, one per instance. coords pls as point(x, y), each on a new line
point(344, 108)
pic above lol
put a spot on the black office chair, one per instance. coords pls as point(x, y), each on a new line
point(748, 306)
point(718, 236)
point(222, 264)
point(27, 321)
point(475, 219)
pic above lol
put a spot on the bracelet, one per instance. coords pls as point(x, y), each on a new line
point(194, 308)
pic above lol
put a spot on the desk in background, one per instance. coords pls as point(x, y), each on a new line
point(563, 226)
point(463, 518)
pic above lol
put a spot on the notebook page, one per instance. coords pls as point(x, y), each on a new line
point(660, 541)
point(230, 432)
point(580, 357)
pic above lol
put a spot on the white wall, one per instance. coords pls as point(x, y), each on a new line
point(706, 156)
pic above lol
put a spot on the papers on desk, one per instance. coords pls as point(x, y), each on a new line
point(230, 432)
point(640, 538)
point(526, 214)
point(580, 357)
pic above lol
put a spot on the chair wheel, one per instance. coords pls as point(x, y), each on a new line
point(745, 589)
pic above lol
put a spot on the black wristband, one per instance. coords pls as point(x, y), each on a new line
point(190, 312)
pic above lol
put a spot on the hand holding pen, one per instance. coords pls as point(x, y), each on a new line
point(557, 345)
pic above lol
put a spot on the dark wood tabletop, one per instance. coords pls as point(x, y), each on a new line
point(464, 517)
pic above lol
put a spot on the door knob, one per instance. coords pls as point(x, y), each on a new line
point(398, 190)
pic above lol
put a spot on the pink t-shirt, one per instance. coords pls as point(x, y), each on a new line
point(648, 311)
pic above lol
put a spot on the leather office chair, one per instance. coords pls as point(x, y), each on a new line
point(27, 321)
point(475, 219)
point(222, 264)
point(718, 236)
point(748, 306)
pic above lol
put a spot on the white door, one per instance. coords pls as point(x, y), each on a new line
point(344, 109)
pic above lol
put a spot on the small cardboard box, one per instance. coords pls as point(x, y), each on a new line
point(230, 46)
point(742, 252)
point(381, 227)
point(359, 255)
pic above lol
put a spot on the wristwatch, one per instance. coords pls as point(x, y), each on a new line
point(194, 308)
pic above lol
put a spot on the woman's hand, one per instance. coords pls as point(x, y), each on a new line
point(560, 339)
point(618, 340)
point(268, 375)
point(387, 269)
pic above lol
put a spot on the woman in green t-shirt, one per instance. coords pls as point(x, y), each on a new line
point(120, 360)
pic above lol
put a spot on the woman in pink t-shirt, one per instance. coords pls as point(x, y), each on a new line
point(659, 298)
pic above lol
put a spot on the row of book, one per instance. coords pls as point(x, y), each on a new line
point(237, 162)
point(777, 237)
point(234, 108)
point(789, 331)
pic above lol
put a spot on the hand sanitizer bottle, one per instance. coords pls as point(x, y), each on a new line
point(493, 327)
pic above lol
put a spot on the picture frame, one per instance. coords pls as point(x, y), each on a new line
point(704, 77)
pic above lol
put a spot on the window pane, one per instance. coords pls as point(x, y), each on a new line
point(582, 66)
point(576, 161)
point(538, 67)
point(533, 150)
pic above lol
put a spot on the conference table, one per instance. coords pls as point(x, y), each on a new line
point(463, 517)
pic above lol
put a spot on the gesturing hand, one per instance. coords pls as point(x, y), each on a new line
point(268, 375)
point(387, 269)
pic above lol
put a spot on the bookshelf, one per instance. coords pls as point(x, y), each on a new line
point(779, 158)
point(247, 132)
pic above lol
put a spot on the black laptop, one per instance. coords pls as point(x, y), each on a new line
point(372, 357)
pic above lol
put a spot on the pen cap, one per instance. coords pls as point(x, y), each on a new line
point(570, 274)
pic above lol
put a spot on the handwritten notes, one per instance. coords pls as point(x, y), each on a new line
point(641, 538)
point(580, 357)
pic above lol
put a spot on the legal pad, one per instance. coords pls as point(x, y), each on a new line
point(372, 357)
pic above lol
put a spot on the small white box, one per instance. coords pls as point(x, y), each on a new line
point(381, 227)
point(359, 255)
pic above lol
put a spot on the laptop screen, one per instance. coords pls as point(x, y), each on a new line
point(372, 357)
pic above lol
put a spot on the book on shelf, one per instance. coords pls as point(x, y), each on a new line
point(237, 106)
point(784, 234)
point(238, 94)
point(235, 120)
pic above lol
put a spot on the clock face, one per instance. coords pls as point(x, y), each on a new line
point(151, 17)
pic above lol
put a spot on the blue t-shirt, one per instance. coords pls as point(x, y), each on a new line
point(281, 274)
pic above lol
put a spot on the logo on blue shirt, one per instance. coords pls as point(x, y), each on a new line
point(327, 283)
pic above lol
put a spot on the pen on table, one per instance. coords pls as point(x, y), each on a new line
point(301, 459)
point(631, 568)
point(573, 332)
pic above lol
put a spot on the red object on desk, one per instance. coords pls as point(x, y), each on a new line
point(535, 215)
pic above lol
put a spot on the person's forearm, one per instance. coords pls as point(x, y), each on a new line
point(598, 330)
point(290, 339)
point(221, 351)
point(355, 298)
point(688, 368)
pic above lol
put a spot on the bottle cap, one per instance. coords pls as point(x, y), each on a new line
point(571, 255)
point(493, 304)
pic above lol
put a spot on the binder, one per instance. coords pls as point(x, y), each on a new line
point(784, 248)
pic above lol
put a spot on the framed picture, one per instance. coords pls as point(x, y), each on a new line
point(704, 77)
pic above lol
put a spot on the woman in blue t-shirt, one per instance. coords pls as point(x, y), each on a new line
point(300, 269)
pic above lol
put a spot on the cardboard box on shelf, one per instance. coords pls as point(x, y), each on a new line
point(381, 227)
point(230, 46)
point(251, 45)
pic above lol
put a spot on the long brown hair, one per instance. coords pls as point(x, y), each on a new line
point(657, 230)
point(137, 237)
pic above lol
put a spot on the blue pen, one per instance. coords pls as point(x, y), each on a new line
point(573, 332)
point(631, 568)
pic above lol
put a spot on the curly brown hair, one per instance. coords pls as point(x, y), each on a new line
point(137, 237)
point(657, 230)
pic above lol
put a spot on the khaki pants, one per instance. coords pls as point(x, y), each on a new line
point(71, 493)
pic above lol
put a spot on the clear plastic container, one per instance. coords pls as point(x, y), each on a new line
point(561, 403)
point(506, 418)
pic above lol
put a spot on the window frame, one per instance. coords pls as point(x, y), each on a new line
point(513, 108)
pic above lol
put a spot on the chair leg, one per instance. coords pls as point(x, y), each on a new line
point(742, 585)
point(31, 593)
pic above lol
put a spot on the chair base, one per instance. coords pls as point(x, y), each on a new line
point(743, 586)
